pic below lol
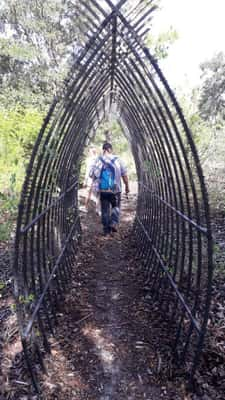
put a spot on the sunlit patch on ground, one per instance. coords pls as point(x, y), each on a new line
point(60, 378)
point(109, 343)
point(104, 347)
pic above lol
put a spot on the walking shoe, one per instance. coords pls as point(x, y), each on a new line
point(113, 229)
point(106, 231)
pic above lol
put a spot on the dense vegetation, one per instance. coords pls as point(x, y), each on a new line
point(39, 42)
point(35, 56)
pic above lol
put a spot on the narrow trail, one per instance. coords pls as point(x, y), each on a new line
point(112, 341)
point(106, 346)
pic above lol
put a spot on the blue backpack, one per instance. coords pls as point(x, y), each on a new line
point(107, 175)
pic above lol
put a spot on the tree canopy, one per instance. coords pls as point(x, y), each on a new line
point(212, 100)
point(38, 41)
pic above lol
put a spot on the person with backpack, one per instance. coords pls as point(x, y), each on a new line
point(108, 171)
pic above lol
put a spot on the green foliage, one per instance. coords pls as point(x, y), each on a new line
point(212, 99)
point(208, 135)
point(18, 131)
point(8, 207)
point(111, 131)
point(26, 300)
point(13, 307)
point(212, 110)
point(159, 46)
point(39, 43)
point(201, 132)
point(5, 229)
point(2, 285)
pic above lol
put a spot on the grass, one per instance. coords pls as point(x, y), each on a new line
point(8, 207)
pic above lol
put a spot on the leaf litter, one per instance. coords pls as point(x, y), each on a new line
point(109, 343)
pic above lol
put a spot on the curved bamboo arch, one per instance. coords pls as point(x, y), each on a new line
point(115, 73)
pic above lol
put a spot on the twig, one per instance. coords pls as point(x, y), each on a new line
point(159, 364)
point(83, 319)
point(22, 383)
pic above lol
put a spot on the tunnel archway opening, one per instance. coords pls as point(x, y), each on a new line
point(110, 131)
point(115, 73)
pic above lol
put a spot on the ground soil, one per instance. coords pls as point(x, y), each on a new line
point(109, 344)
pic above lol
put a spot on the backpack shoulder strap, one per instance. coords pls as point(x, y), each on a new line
point(102, 159)
point(114, 159)
point(109, 163)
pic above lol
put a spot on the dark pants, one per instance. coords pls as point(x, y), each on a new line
point(110, 208)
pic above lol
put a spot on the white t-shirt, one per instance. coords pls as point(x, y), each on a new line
point(120, 169)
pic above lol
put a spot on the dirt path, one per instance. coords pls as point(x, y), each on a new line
point(105, 347)
point(111, 342)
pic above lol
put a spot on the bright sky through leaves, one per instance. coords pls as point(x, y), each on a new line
point(201, 29)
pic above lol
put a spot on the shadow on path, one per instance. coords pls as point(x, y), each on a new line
point(105, 347)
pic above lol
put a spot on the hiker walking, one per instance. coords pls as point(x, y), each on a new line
point(89, 183)
point(108, 171)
